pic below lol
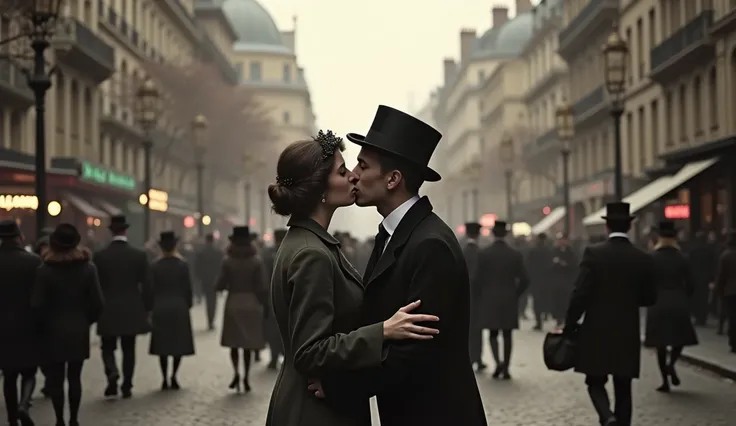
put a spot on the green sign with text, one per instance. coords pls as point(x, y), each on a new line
point(102, 176)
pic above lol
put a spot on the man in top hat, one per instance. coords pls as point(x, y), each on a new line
point(471, 250)
point(271, 328)
point(20, 353)
point(207, 264)
point(124, 277)
point(502, 279)
point(615, 279)
point(416, 256)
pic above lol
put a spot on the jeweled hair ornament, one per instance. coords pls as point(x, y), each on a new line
point(329, 143)
point(285, 182)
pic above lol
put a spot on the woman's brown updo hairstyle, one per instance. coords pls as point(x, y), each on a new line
point(302, 173)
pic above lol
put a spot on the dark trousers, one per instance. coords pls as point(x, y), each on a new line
point(729, 302)
point(10, 390)
point(475, 345)
point(210, 297)
point(72, 372)
point(623, 405)
point(108, 346)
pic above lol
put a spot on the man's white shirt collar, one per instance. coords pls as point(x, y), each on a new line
point(618, 235)
point(120, 238)
point(391, 222)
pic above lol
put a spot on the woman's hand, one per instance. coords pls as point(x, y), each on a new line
point(402, 325)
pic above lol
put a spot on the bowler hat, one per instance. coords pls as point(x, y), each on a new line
point(401, 135)
point(472, 229)
point(667, 229)
point(500, 228)
point(64, 238)
point(279, 234)
point(167, 237)
point(618, 211)
point(118, 223)
point(9, 229)
point(240, 233)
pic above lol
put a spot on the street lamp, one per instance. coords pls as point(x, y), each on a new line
point(38, 22)
point(508, 155)
point(615, 56)
point(565, 133)
point(148, 104)
point(199, 125)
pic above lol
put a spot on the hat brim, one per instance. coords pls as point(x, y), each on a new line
point(119, 226)
point(168, 240)
point(629, 218)
point(428, 174)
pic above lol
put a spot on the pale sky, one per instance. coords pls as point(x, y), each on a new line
point(362, 53)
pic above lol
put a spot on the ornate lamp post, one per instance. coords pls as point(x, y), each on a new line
point(507, 156)
point(615, 53)
point(148, 105)
point(565, 133)
point(38, 19)
point(199, 126)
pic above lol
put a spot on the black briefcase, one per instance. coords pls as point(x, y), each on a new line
point(560, 351)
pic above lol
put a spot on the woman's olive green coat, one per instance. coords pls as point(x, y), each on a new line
point(317, 295)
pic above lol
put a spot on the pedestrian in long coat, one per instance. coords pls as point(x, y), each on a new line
point(615, 280)
point(502, 280)
point(471, 252)
point(668, 320)
point(173, 298)
point(67, 299)
point(243, 276)
point(20, 348)
point(125, 280)
point(539, 261)
point(270, 326)
point(208, 261)
point(564, 268)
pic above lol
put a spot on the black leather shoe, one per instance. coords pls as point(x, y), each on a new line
point(111, 390)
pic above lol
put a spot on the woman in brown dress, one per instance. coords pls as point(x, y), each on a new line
point(243, 276)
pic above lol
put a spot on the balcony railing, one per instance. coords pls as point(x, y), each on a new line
point(593, 100)
point(542, 142)
point(87, 52)
point(596, 16)
point(13, 85)
point(685, 49)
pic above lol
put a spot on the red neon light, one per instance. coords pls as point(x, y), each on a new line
point(677, 211)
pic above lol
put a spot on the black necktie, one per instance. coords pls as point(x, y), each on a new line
point(378, 246)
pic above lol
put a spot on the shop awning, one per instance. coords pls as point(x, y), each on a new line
point(85, 207)
point(549, 221)
point(109, 208)
point(655, 190)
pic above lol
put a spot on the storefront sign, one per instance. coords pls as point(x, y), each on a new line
point(11, 202)
point(102, 176)
point(677, 211)
point(158, 200)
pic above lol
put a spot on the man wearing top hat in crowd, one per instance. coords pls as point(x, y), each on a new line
point(271, 328)
point(20, 351)
point(471, 249)
point(207, 264)
point(502, 280)
point(615, 279)
point(416, 256)
point(124, 277)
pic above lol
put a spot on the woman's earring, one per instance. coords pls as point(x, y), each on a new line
point(323, 199)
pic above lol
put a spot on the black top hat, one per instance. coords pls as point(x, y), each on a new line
point(404, 136)
point(472, 229)
point(167, 237)
point(618, 211)
point(279, 234)
point(9, 229)
point(667, 229)
point(240, 233)
point(64, 238)
point(500, 228)
point(118, 223)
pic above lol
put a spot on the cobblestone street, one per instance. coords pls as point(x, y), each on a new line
point(535, 396)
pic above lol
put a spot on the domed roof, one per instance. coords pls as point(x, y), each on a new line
point(254, 25)
point(507, 40)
